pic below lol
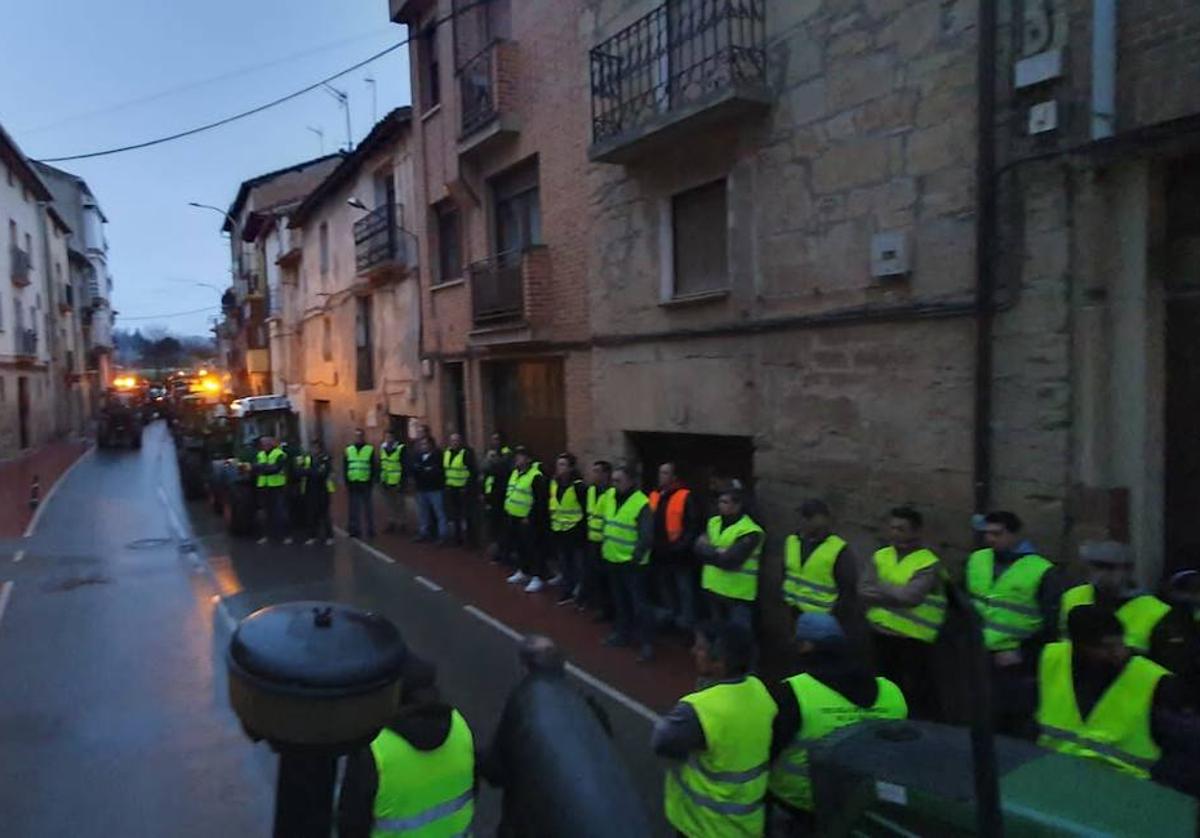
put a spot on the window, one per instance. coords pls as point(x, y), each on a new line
point(363, 347)
point(699, 236)
point(29, 249)
point(431, 89)
point(12, 233)
point(518, 210)
point(327, 339)
point(8, 175)
point(449, 242)
point(71, 360)
point(3, 394)
point(323, 243)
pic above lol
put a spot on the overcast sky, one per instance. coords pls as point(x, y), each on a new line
point(81, 76)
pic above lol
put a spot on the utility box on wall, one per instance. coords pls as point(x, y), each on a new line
point(890, 255)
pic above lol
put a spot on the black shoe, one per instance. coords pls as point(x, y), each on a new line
point(353, 533)
point(602, 618)
point(616, 640)
point(565, 599)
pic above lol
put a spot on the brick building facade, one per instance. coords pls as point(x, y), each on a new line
point(500, 137)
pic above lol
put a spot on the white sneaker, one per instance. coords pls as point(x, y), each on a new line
point(287, 540)
point(310, 542)
point(555, 580)
point(535, 585)
point(329, 542)
point(262, 540)
point(517, 578)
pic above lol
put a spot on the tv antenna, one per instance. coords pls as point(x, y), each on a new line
point(374, 98)
point(343, 99)
point(320, 132)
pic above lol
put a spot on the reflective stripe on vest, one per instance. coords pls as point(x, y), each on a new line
point(1117, 731)
point(720, 791)
point(741, 583)
point(808, 582)
point(271, 458)
point(621, 528)
point(920, 623)
point(391, 466)
point(358, 463)
point(426, 794)
point(565, 511)
point(1007, 605)
point(597, 511)
point(454, 464)
point(489, 483)
point(1139, 615)
point(822, 711)
point(676, 504)
point(518, 500)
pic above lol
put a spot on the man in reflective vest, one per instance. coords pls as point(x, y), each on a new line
point(820, 571)
point(568, 529)
point(833, 690)
point(1098, 702)
point(417, 778)
point(677, 524)
point(1166, 635)
point(458, 464)
point(628, 536)
point(903, 591)
point(492, 489)
point(391, 481)
point(596, 591)
point(718, 740)
point(730, 549)
point(270, 469)
point(526, 504)
point(318, 487)
point(359, 470)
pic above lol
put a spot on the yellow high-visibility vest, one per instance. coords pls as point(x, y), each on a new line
point(454, 464)
point(740, 583)
point(808, 581)
point(391, 466)
point(565, 509)
point(923, 622)
point(358, 463)
point(1007, 605)
point(271, 458)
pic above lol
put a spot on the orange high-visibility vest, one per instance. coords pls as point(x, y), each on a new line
point(675, 507)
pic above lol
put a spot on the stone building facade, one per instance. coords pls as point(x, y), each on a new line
point(346, 331)
point(782, 280)
point(500, 139)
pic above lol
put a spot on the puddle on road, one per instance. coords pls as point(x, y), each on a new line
point(73, 582)
point(148, 543)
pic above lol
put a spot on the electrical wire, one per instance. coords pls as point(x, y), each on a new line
point(123, 318)
point(263, 107)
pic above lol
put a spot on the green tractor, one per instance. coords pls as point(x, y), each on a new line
point(232, 481)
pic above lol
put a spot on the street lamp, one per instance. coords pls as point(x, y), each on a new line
point(228, 217)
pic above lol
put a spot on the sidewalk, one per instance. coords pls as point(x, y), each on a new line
point(470, 577)
point(16, 476)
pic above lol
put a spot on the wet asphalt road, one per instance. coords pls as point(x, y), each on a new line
point(113, 713)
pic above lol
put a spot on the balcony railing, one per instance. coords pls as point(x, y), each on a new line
point(27, 343)
point(683, 54)
point(477, 90)
point(380, 241)
point(497, 289)
point(21, 265)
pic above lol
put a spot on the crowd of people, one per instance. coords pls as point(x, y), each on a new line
point(1096, 667)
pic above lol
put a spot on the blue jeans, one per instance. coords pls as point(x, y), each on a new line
point(677, 588)
point(431, 510)
point(633, 621)
point(276, 513)
point(725, 609)
point(360, 504)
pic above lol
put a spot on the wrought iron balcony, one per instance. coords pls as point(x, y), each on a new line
point(497, 289)
point(27, 343)
point(687, 63)
point(485, 97)
point(381, 246)
point(21, 265)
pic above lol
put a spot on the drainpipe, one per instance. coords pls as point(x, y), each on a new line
point(1104, 68)
point(989, 817)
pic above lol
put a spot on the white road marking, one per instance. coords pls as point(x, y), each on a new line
point(5, 593)
point(493, 622)
point(583, 675)
point(374, 551)
point(19, 556)
point(428, 583)
point(172, 515)
point(62, 478)
point(613, 693)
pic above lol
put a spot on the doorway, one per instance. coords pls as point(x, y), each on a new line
point(321, 412)
point(23, 409)
point(705, 463)
point(528, 404)
point(454, 398)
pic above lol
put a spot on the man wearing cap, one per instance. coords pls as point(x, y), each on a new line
point(1099, 702)
point(820, 569)
point(1153, 628)
point(418, 775)
point(833, 690)
point(719, 740)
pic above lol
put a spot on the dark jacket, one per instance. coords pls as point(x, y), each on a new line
point(427, 472)
point(425, 728)
point(319, 470)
